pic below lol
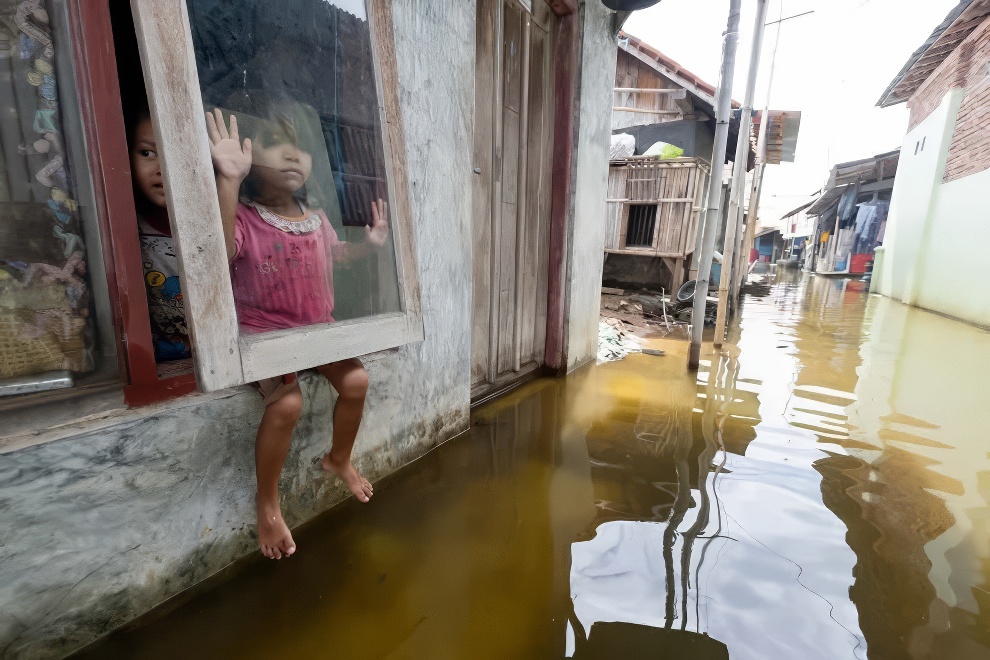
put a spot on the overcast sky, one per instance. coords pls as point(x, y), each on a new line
point(832, 65)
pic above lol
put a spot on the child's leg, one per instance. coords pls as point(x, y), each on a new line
point(271, 448)
point(350, 380)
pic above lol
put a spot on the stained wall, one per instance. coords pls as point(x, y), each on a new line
point(127, 509)
point(114, 511)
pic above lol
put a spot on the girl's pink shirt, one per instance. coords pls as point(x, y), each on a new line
point(281, 280)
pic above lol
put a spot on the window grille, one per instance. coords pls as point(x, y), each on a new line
point(642, 225)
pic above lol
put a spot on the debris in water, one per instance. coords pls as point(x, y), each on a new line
point(614, 341)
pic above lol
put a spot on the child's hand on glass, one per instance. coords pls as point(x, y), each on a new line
point(231, 159)
point(377, 232)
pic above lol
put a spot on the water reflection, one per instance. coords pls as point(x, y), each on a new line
point(820, 491)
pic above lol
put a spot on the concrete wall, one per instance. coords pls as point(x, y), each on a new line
point(124, 511)
point(694, 137)
point(932, 255)
point(586, 234)
point(919, 174)
point(107, 516)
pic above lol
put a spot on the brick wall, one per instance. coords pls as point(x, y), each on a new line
point(969, 152)
point(966, 67)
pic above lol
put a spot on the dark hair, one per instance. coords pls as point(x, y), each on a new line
point(134, 114)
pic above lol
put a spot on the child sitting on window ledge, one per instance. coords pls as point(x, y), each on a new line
point(281, 255)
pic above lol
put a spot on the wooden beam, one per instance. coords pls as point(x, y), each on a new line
point(675, 93)
point(646, 112)
point(566, 63)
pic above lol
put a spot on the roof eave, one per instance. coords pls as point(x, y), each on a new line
point(888, 98)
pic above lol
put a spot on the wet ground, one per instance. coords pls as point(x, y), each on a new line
point(822, 490)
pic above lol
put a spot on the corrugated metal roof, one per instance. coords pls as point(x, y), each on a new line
point(879, 167)
point(797, 210)
point(867, 170)
point(782, 134)
point(828, 199)
point(957, 26)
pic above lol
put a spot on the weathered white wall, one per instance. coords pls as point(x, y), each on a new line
point(919, 174)
point(935, 229)
point(123, 511)
point(120, 514)
point(586, 235)
point(953, 264)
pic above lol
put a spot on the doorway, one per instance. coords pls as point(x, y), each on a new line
point(511, 192)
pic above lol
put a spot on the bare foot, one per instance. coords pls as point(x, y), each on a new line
point(273, 534)
point(358, 485)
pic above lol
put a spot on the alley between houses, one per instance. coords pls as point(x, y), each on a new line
point(821, 490)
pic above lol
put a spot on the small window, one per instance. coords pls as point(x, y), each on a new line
point(56, 329)
point(312, 89)
point(642, 225)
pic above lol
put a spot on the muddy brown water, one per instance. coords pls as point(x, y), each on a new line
point(820, 490)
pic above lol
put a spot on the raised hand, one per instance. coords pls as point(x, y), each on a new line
point(377, 232)
point(231, 159)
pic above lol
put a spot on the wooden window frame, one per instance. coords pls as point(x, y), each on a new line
point(224, 357)
point(109, 163)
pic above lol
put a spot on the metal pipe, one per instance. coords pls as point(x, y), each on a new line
point(739, 173)
point(730, 42)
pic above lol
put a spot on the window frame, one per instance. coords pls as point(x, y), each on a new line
point(95, 60)
point(223, 356)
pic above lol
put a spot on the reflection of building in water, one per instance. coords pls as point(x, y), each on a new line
point(631, 575)
point(925, 483)
point(906, 481)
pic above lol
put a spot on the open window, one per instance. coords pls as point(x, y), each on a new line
point(56, 325)
point(316, 78)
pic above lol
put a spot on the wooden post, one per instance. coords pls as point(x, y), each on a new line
point(521, 181)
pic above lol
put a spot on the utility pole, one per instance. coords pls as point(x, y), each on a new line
point(743, 247)
point(739, 173)
point(730, 42)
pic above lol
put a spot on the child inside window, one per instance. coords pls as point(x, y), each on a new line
point(169, 334)
point(282, 253)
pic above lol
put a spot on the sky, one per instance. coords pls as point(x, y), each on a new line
point(832, 65)
point(355, 7)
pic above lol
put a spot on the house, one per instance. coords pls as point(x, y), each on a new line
point(798, 228)
point(125, 480)
point(768, 245)
point(939, 207)
point(654, 203)
point(851, 215)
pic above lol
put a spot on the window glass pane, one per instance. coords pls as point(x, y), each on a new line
point(53, 296)
point(299, 77)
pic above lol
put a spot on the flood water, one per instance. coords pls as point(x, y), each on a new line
point(820, 490)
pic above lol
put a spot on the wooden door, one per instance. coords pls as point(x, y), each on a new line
point(511, 192)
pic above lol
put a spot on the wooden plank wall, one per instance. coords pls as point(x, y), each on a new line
point(536, 257)
point(670, 184)
point(630, 72)
point(616, 193)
